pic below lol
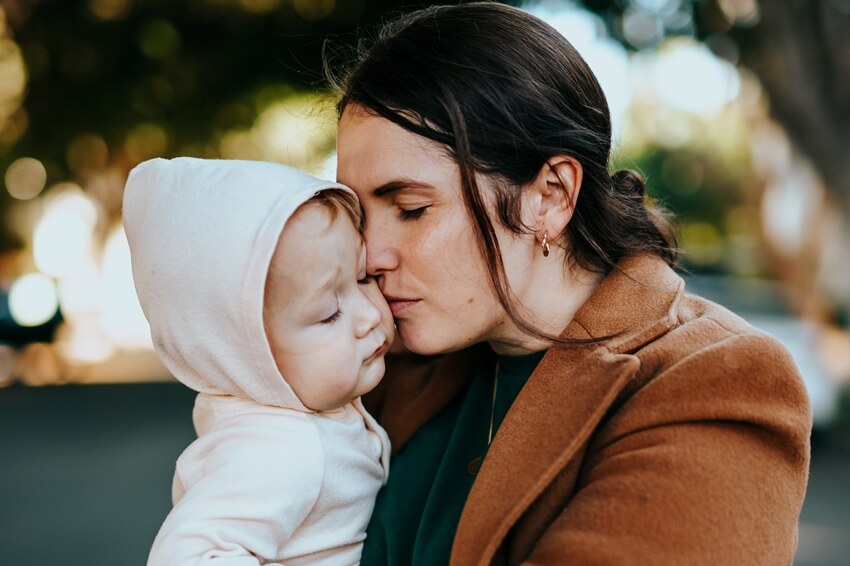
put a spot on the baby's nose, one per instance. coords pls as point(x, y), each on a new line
point(370, 316)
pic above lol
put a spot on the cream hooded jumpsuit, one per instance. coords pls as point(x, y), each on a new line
point(268, 481)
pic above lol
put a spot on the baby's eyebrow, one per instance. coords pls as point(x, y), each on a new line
point(326, 286)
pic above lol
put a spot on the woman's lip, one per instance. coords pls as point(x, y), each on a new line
point(398, 306)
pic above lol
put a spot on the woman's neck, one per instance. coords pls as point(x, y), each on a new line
point(548, 301)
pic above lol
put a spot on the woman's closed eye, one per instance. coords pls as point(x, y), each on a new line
point(412, 213)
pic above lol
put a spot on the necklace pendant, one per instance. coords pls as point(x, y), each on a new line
point(473, 466)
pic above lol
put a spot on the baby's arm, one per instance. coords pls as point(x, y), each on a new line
point(249, 485)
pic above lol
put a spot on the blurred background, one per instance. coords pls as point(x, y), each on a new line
point(737, 112)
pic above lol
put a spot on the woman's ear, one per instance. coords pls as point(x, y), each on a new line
point(553, 194)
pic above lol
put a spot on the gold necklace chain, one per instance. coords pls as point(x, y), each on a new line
point(475, 463)
point(493, 407)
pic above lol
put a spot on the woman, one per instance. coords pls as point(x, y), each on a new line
point(623, 420)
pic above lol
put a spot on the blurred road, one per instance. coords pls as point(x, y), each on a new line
point(85, 476)
point(825, 521)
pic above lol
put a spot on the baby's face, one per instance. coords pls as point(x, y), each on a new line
point(328, 324)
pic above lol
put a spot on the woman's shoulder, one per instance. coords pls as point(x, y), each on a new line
point(645, 308)
point(712, 365)
point(694, 360)
point(702, 329)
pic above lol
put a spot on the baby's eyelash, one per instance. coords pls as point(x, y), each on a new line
point(333, 318)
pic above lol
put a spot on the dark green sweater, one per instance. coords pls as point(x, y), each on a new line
point(417, 512)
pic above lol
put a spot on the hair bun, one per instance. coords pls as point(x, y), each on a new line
point(629, 182)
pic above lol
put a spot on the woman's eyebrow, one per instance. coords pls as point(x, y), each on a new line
point(399, 185)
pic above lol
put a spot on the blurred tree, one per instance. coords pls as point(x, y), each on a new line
point(799, 49)
point(111, 79)
point(107, 66)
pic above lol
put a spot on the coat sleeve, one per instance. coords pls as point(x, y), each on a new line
point(705, 464)
point(246, 488)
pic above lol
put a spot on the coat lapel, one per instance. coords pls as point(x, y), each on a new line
point(563, 402)
point(546, 425)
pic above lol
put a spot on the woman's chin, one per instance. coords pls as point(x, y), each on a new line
point(425, 342)
point(415, 341)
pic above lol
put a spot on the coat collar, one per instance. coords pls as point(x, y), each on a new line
point(565, 399)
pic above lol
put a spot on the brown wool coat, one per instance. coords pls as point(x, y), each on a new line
point(683, 440)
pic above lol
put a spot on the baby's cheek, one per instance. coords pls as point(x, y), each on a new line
point(378, 300)
point(339, 387)
point(388, 326)
point(387, 322)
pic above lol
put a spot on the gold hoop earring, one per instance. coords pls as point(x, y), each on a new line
point(545, 244)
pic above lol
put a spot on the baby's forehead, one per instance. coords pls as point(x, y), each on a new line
point(318, 223)
point(313, 247)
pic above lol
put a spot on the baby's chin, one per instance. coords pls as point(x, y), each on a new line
point(376, 371)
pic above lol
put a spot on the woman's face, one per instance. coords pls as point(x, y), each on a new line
point(420, 242)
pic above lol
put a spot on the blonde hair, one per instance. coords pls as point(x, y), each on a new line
point(339, 200)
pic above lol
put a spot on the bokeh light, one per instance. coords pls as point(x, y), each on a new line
point(87, 154)
point(159, 39)
point(63, 237)
point(742, 13)
point(146, 141)
point(314, 9)
point(14, 127)
point(79, 290)
point(688, 76)
point(121, 316)
point(13, 76)
point(33, 299)
point(7, 365)
point(82, 341)
point(39, 364)
point(702, 242)
point(295, 130)
point(110, 10)
point(683, 173)
point(642, 28)
point(25, 178)
point(789, 207)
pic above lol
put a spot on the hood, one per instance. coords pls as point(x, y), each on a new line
point(202, 234)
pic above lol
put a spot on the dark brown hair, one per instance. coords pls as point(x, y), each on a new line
point(504, 92)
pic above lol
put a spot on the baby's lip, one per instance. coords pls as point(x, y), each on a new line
point(382, 347)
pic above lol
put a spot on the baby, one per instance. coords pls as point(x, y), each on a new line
point(253, 278)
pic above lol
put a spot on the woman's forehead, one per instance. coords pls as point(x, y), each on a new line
point(375, 155)
point(365, 133)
